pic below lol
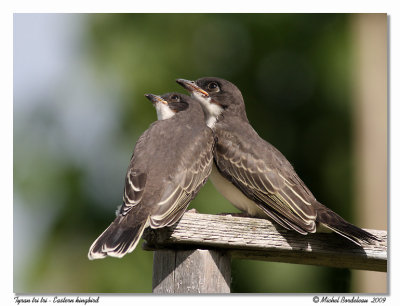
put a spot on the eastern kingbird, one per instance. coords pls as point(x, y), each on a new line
point(253, 175)
point(170, 163)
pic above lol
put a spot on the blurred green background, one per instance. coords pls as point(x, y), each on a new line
point(79, 81)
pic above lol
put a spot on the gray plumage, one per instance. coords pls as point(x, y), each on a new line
point(268, 184)
point(170, 163)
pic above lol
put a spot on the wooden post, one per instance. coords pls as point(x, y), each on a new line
point(258, 239)
point(191, 271)
point(194, 255)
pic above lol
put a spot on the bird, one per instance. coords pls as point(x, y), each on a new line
point(255, 176)
point(171, 161)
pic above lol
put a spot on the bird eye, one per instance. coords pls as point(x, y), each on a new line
point(213, 86)
point(174, 98)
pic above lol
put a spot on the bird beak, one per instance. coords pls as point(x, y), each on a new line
point(191, 86)
point(155, 99)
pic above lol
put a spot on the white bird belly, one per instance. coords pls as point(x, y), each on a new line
point(234, 195)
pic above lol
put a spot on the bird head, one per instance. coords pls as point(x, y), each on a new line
point(216, 95)
point(167, 105)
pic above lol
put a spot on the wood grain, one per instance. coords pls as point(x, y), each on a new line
point(191, 272)
point(260, 239)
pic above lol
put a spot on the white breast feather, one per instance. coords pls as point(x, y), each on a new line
point(163, 111)
point(212, 110)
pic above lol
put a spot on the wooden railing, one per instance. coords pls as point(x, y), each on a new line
point(194, 255)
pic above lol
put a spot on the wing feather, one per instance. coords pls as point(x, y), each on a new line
point(265, 176)
point(135, 182)
point(183, 185)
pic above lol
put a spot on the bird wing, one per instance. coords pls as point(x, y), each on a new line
point(187, 178)
point(264, 175)
point(135, 182)
point(135, 179)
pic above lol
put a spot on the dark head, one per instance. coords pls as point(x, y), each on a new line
point(215, 95)
point(167, 105)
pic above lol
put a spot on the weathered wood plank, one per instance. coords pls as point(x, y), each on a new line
point(191, 271)
point(262, 240)
point(163, 271)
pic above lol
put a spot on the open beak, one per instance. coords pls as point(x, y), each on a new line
point(154, 99)
point(191, 87)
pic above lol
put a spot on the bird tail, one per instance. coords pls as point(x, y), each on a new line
point(119, 238)
point(329, 219)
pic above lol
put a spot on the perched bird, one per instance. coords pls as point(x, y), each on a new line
point(170, 163)
point(253, 175)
